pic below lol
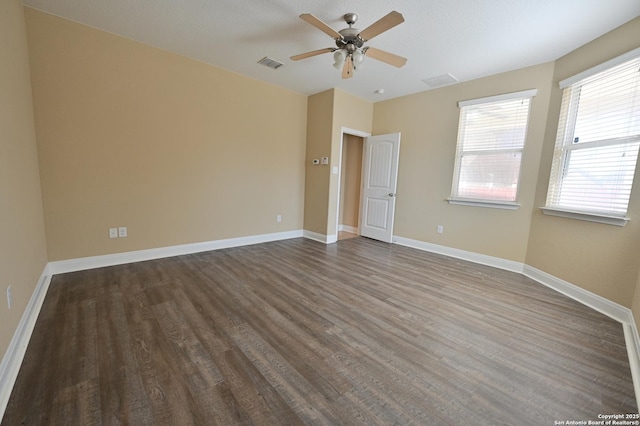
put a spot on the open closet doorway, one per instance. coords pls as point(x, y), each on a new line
point(367, 182)
point(350, 184)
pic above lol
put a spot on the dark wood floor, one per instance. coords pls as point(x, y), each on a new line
point(298, 332)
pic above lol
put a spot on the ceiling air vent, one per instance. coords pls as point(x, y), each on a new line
point(271, 63)
point(441, 80)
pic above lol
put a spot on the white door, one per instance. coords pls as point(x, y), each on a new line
point(379, 176)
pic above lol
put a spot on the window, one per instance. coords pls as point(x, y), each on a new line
point(597, 143)
point(491, 137)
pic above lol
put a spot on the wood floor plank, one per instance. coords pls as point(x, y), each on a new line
point(121, 392)
point(297, 332)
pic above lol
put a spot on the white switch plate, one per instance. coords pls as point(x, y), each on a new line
point(440, 229)
point(113, 232)
point(335, 170)
point(122, 231)
point(279, 218)
point(324, 160)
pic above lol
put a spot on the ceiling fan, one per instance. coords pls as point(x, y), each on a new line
point(350, 50)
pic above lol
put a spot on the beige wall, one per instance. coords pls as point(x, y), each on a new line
point(176, 150)
point(428, 122)
point(22, 241)
point(353, 113)
point(317, 177)
point(329, 112)
point(635, 305)
point(600, 258)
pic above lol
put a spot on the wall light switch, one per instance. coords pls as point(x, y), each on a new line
point(122, 231)
point(324, 160)
point(113, 232)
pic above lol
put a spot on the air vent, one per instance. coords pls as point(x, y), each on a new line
point(441, 80)
point(271, 63)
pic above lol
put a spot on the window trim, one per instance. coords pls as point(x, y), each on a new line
point(530, 93)
point(496, 204)
point(599, 68)
point(505, 205)
point(585, 215)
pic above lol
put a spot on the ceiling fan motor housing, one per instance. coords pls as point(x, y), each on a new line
point(350, 40)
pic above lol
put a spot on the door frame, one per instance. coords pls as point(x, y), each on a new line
point(352, 132)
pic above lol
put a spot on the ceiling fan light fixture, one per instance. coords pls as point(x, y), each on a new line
point(350, 51)
point(339, 56)
point(358, 57)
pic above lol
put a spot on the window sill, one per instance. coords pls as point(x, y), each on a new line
point(590, 217)
point(505, 205)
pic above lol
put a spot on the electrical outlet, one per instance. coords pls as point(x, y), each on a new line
point(279, 218)
point(122, 232)
point(9, 297)
point(113, 232)
point(440, 229)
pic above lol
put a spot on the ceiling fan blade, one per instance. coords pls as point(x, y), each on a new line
point(381, 25)
point(312, 53)
point(384, 56)
point(347, 69)
point(310, 19)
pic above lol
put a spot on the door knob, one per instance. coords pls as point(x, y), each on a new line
point(391, 194)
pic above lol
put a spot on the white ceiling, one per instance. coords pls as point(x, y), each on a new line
point(466, 38)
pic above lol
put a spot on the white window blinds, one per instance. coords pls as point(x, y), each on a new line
point(491, 138)
point(597, 141)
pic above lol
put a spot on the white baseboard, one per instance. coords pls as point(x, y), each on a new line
point(348, 228)
point(482, 259)
point(605, 306)
point(12, 360)
point(322, 238)
point(592, 300)
point(71, 265)
point(632, 341)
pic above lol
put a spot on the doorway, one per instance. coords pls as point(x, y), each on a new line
point(350, 186)
point(367, 182)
